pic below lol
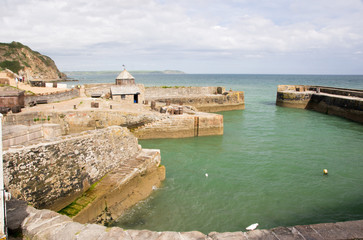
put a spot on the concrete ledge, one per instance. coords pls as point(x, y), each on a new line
point(44, 224)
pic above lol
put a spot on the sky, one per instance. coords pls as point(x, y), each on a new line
point(194, 36)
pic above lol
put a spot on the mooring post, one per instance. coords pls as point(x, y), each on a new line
point(153, 105)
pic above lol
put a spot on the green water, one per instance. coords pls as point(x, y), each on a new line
point(270, 173)
point(266, 168)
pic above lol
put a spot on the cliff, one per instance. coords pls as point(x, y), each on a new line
point(28, 63)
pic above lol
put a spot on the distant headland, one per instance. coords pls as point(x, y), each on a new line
point(132, 72)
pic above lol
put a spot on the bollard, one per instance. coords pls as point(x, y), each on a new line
point(95, 104)
point(16, 109)
point(110, 106)
point(153, 105)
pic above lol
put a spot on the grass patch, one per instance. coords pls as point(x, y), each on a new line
point(30, 93)
point(12, 65)
point(81, 202)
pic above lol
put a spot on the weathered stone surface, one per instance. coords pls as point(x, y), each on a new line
point(92, 232)
point(355, 228)
point(179, 126)
point(115, 234)
point(20, 135)
point(347, 103)
point(69, 230)
point(308, 232)
point(284, 233)
point(260, 234)
point(170, 236)
point(194, 235)
point(52, 174)
point(121, 188)
point(206, 99)
point(143, 234)
point(44, 224)
point(332, 231)
point(17, 211)
point(227, 236)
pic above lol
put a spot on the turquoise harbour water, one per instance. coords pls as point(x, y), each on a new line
point(266, 168)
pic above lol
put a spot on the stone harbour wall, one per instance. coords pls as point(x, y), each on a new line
point(206, 99)
point(157, 92)
point(31, 223)
point(181, 126)
point(349, 108)
point(98, 88)
point(53, 97)
point(52, 175)
point(144, 126)
point(119, 190)
point(293, 99)
point(78, 121)
point(16, 135)
point(346, 103)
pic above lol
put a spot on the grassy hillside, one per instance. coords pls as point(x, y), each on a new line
point(24, 61)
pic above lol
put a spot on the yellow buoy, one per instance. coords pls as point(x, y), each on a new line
point(325, 171)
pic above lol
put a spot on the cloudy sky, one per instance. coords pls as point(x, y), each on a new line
point(195, 36)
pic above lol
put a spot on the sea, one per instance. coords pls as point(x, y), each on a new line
point(267, 168)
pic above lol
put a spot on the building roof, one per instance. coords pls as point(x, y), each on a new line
point(125, 90)
point(125, 75)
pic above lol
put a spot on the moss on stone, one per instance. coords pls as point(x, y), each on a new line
point(77, 205)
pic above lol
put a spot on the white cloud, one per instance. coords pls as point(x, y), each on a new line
point(162, 30)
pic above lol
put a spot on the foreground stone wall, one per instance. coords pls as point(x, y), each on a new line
point(31, 223)
point(51, 175)
point(347, 103)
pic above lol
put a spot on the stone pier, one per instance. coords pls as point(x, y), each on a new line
point(346, 103)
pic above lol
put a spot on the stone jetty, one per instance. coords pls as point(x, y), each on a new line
point(346, 103)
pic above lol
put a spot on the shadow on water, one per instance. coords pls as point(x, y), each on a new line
point(269, 103)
